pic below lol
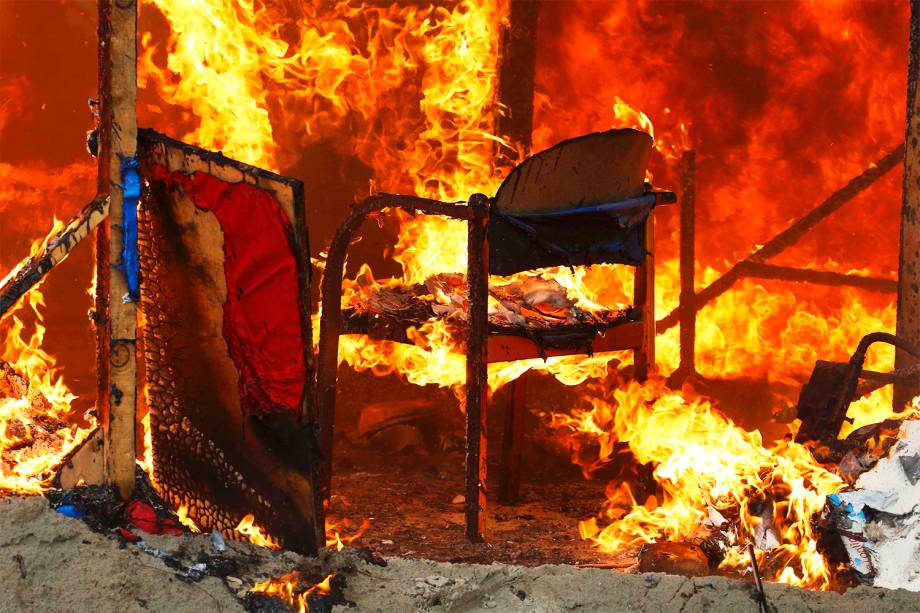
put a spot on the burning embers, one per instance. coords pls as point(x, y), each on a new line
point(37, 425)
point(521, 304)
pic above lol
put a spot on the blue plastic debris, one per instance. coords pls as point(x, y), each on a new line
point(68, 510)
point(131, 194)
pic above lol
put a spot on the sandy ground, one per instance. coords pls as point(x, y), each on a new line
point(49, 562)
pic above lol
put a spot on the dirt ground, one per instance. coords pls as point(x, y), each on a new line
point(49, 562)
point(410, 496)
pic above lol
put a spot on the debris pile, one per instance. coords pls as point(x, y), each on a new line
point(878, 520)
point(522, 302)
point(35, 435)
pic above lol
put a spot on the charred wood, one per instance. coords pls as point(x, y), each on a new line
point(908, 323)
point(55, 250)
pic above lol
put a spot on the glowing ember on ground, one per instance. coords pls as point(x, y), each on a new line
point(339, 534)
point(287, 589)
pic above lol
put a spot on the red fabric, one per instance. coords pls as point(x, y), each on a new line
point(128, 535)
point(143, 517)
point(262, 319)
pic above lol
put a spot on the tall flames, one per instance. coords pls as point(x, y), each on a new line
point(791, 103)
point(410, 92)
point(38, 427)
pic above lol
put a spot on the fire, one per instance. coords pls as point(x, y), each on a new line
point(336, 538)
point(410, 92)
point(336, 535)
point(146, 459)
point(185, 520)
point(703, 462)
point(286, 588)
point(38, 427)
point(255, 534)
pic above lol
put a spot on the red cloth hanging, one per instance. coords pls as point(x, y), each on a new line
point(262, 318)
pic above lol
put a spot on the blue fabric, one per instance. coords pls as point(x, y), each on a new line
point(519, 243)
point(131, 194)
point(69, 510)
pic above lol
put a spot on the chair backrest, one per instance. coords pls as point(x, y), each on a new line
point(598, 168)
point(592, 169)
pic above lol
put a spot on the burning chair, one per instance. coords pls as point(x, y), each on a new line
point(581, 202)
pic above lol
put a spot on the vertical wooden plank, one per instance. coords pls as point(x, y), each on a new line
point(687, 264)
point(509, 485)
point(118, 133)
point(908, 324)
point(477, 368)
point(644, 296)
point(101, 289)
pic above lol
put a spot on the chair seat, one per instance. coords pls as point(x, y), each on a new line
point(527, 319)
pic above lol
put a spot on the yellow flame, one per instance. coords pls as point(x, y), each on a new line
point(37, 426)
point(255, 534)
point(702, 460)
point(410, 92)
point(285, 588)
point(185, 520)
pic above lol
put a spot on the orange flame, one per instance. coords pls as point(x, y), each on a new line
point(410, 92)
point(255, 534)
point(37, 425)
point(285, 588)
point(336, 538)
point(703, 461)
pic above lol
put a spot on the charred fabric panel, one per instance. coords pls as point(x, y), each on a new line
point(262, 323)
point(223, 343)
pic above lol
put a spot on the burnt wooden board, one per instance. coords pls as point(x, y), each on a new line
point(593, 169)
point(210, 454)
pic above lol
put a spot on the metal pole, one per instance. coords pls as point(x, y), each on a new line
point(517, 73)
point(793, 233)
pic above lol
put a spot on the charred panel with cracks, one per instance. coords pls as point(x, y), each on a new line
point(208, 455)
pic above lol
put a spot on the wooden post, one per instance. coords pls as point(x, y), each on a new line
point(908, 325)
point(517, 73)
point(477, 372)
point(644, 295)
point(687, 264)
point(118, 140)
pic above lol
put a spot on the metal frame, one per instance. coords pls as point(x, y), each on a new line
point(482, 347)
point(755, 265)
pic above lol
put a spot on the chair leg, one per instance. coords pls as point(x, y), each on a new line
point(509, 486)
point(477, 373)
